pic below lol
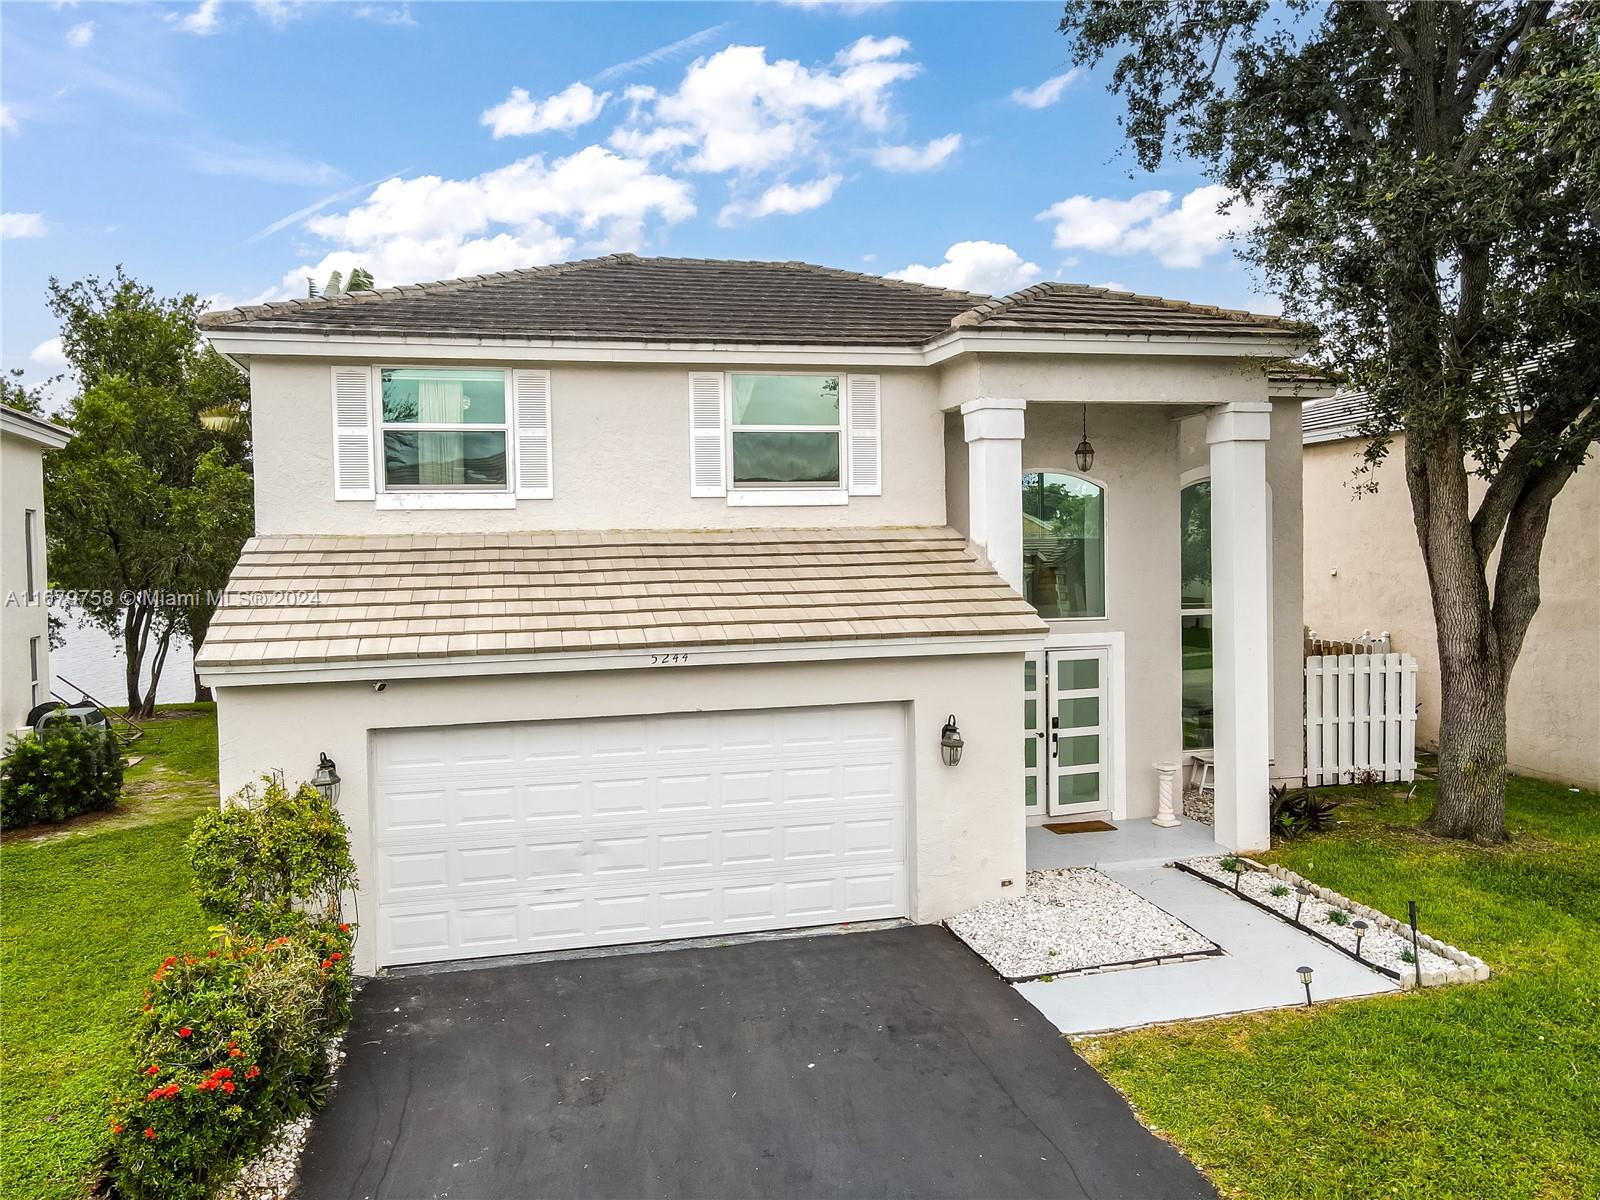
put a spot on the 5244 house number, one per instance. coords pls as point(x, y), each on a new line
point(668, 660)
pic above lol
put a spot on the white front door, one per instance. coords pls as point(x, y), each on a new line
point(495, 839)
point(1077, 762)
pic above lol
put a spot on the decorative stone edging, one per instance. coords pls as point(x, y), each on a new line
point(1462, 967)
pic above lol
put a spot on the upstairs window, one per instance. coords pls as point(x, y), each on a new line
point(786, 431)
point(1063, 545)
point(444, 429)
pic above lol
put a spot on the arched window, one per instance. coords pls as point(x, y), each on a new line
point(1063, 545)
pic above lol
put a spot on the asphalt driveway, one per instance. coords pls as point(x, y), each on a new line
point(889, 1063)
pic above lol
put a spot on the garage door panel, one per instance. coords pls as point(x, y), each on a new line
point(661, 826)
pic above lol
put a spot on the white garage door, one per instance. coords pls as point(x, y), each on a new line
point(497, 839)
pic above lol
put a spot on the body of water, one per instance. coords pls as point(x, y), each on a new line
point(93, 660)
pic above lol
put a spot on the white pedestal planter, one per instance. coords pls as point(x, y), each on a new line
point(1166, 774)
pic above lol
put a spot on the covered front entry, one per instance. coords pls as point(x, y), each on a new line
point(1066, 712)
point(544, 835)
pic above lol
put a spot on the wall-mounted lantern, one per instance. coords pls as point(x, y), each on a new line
point(1085, 451)
point(326, 780)
point(950, 742)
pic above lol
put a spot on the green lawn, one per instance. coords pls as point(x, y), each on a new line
point(89, 909)
point(1480, 1090)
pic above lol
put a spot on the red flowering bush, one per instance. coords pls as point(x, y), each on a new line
point(228, 1045)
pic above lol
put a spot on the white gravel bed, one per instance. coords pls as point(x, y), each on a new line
point(1072, 920)
point(1386, 942)
point(271, 1174)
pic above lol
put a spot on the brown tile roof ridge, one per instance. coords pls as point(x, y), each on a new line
point(1001, 306)
point(231, 316)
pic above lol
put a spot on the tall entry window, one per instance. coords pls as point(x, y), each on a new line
point(1063, 545)
point(1195, 613)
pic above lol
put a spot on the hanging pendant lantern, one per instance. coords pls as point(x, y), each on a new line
point(1085, 451)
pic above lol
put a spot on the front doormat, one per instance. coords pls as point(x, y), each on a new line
point(1071, 921)
point(1081, 827)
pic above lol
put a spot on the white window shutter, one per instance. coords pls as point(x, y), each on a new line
point(707, 475)
point(535, 474)
point(353, 471)
point(866, 436)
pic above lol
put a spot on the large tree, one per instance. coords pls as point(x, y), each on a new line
point(149, 504)
point(1423, 185)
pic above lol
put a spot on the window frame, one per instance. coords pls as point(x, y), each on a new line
point(30, 523)
point(1105, 541)
point(35, 645)
point(506, 428)
point(779, 491)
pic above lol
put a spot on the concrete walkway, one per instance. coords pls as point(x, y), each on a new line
point(1260, 953)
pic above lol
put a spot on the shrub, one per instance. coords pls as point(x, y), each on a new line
point(60, 771)
point(1337, 916)
point(233, 1042)
point(229, 1045)
point(271, 861)
point(1300, 811)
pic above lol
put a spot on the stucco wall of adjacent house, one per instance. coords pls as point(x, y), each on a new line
point(621, 458)
point(21, 489)
point(963, 823)
point(1363, 570)
point(1143, 455)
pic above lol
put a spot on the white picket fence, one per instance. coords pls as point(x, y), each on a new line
point(1361, 715)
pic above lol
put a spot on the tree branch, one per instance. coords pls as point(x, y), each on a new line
point(1384, 20)
point(1491, 54)
point(1516, 581)
point(1474, 142)
point(1517, 468)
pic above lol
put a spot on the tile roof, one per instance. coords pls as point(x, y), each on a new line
point(623, 297)
point(1073, 308)
point(1335, 418)
point(312, 601)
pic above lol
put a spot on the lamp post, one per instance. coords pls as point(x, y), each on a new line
point(1305, 979)
point(950, 742)
point(326, 780)
point(1361, 931)
point(1301, 895)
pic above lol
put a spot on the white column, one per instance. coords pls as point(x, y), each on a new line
point(1241, 623)
point(994, 482)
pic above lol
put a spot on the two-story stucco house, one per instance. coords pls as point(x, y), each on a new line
point(24, 616)
point(632, 597)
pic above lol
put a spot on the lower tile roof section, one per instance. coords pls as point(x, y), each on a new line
point(307, 601)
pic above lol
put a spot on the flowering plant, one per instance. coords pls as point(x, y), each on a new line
point(228, 1045)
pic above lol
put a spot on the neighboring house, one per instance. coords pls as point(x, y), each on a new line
point(1364, 570)
point(24, 617)
point(631, 596)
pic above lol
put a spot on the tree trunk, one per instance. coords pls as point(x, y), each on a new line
point(202, 693)
point(135, 631)
point(1471, 801)
point(147, 706)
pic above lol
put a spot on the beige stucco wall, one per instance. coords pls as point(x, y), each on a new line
point(1363, 570)
point(1142, 453)
point(1102, 379)
point(21, 488)
point(621, 458)
point(964, 822)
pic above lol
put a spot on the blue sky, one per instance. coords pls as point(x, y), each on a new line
point(232, 148)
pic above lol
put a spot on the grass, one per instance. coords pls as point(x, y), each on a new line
point(1474, 1090)
point(89, 908)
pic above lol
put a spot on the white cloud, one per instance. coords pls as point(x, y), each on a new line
point(660, 54)
point(988, 267)
point(278, 13)
point(80, 35)
point(384, 14)
point(1047, 93)
point(522, 214)
point(49, 353)
point(520, 114)
point(736, 111)
point(8, 119)
point(913, 158)
point(784, 199)
point(1181, 236)
point(202, 21)
point(849, 8)
point(219, 157)
point(21, 225)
